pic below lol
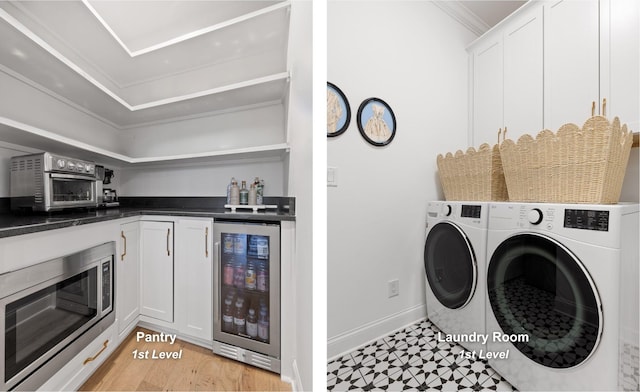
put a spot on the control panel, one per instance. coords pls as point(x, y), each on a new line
point(69, 165)
point(586, 219)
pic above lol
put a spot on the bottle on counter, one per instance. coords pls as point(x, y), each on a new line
point(244, 194)
point(259, 191)
point(229, 189)
point(234, 193)
point(252, 323)
point(253, 195)
point(239, 317)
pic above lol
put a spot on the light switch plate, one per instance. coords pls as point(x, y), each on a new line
point(332, 176)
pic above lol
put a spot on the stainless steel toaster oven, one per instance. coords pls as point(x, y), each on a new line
point(46, 182)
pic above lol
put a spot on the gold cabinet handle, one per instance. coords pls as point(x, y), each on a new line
point(168, 235)
point(124, 253)
point(90, 359)
point(206, 241)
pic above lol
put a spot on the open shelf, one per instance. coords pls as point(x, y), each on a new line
point(26, 135)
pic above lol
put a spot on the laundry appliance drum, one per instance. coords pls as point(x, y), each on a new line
point(450, 265)
point(539, 291)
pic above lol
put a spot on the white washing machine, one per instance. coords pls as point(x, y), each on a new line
point(454, 265)
point(562, 295)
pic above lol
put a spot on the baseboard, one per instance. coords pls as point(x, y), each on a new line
point(296, 382)
point(370, 332)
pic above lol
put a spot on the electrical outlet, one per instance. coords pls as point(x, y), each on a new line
point(394, 287)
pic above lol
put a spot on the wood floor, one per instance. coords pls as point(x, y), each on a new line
point(198, 370)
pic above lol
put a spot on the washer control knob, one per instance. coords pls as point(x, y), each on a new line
point(534, 216)
point(446, 209)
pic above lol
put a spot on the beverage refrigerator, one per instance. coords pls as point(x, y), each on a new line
point(246, 310)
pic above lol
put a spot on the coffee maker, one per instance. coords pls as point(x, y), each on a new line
point(107, 197)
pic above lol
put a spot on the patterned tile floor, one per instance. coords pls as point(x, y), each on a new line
point(412, 359)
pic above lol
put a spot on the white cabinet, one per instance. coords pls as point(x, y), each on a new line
point(523, 74)
point(572, 73)
point(156, 270)
point(545, 65)
point(194, 277)
point(620, 51)
point(487, 91)
point(128, 277)
point(508, 79)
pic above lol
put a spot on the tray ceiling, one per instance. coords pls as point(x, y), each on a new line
point(137, 62)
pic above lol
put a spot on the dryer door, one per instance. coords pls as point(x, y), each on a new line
point(450, 265)
point(539, 289)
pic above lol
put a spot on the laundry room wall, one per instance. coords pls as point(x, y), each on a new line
point(411, 55)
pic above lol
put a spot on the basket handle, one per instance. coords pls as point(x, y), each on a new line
point(504, 134)
point(604, 108)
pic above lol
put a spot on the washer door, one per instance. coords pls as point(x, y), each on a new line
point(450, 265)
point(539, 289)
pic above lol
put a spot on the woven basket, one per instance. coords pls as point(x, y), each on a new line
point(474, 175)
point(572, 166)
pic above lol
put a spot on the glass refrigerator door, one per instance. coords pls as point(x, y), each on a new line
point(248, 294)
point(245, 286)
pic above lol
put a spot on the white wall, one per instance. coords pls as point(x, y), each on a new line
point(222, 131)
point(22, 102)
point(198, 179)
point(411, 55)
point(299, 124)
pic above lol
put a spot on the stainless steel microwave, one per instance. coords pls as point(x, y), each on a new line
point(50, 311)
point(46, 182)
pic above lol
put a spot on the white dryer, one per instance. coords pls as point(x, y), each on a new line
point(454, 265)
point(562, 295)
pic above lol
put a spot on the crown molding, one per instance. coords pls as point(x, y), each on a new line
point(463, 15)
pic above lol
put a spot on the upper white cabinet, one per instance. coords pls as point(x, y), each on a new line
point(523, 73)
point(507, 79)
point(487, 91)
point(156, 270)
point(544, 65)
point(572, 60)
point(620, 60)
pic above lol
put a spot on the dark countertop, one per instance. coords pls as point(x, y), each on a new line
point(18, 224)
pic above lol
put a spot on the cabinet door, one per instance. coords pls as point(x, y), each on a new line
point(572, 75)
point(156, 267)
point(621, 84)
point(128, 273)
point(194, 277)
point(523, 74)
point(487, 92)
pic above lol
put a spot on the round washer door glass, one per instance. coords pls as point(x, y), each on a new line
point(540, 291)
point(450, 265)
